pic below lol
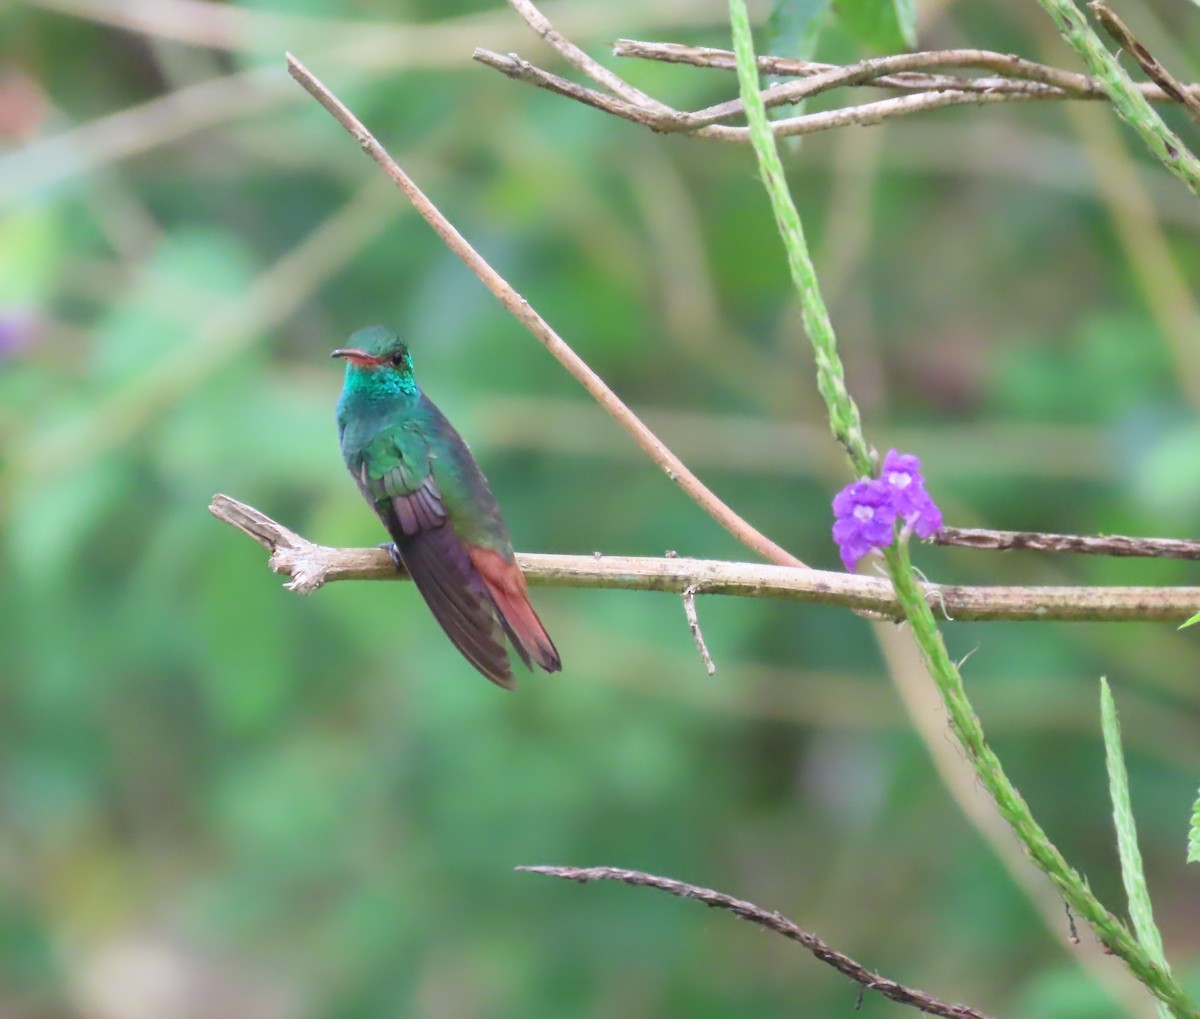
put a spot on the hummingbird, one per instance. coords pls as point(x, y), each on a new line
point(418, 475)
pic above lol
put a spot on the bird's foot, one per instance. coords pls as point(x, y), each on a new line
point(390, 548)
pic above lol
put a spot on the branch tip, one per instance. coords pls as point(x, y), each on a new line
point(769, 920)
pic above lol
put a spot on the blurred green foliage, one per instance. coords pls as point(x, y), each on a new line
point(220, 799)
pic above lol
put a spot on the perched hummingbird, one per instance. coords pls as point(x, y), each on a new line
point(419, 476)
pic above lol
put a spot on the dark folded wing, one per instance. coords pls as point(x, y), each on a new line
point(441, 568)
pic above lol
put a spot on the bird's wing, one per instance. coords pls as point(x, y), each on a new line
point(409, 502)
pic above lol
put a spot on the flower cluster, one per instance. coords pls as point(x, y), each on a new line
point(866, 511)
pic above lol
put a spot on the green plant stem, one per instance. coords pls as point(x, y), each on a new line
point(844, 418)
point(963, 720)
point(1130, 104)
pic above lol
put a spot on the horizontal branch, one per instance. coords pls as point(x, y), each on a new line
point(1104, 544)
point(1016, 80)
point(902, 71)
point(770, 921)
point(702, 124)
point(309, 566)
point(623, 100)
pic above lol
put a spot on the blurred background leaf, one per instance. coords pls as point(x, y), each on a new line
point(795, 26)
point(883, 24)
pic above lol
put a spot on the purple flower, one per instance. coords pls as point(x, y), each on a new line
point(864, 519)
point(902, 474)
point(865, 511)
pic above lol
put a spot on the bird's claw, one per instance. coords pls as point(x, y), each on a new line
point(390, 548)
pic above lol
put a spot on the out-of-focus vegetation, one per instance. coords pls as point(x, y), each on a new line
point(220, 799)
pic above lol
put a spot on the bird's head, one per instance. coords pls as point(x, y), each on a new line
point(377, 349)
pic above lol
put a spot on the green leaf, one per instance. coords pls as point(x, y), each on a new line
point(1191, 621)
point(1193, 855)
point(794, 27)
point(1132, 873)
point(882, 24)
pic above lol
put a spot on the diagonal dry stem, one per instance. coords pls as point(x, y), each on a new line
point(1165, 80)
point(520, 308)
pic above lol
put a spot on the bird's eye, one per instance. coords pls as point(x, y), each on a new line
point(398, 358)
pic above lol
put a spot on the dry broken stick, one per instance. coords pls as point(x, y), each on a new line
point(771, 921)
point(523, 311)
point(308, 566)
point(693, 619)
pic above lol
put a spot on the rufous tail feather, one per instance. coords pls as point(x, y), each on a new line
point(506, 585)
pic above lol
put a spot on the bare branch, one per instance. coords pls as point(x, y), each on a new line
point(770, 921)
point(1165, 80)
point(522, 70)
point(600, 74)
point(702, 124)
point(309, 566)
point(1105, 544)
point(689, 610)
point(1019, 80)
point(872, 69)
point(672, 466)
point(901, 71)
point(866, 114)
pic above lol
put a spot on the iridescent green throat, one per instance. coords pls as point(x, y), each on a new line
point(375, 385)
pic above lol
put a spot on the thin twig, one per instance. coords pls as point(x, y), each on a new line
point(1021, 81)
point(663, 117)
point(522, 70)
point(702, 124)
point(674, 468)
point(770, 921)
point(852, 76)
point(867, 70)
point(600, 74)
point(902, 70)
point(689, 610)
point(1104, 544)
point(866, 114)
point(309, 566)
point(1165, 80)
